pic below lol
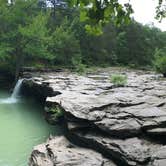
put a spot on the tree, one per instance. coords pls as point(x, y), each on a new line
point(22, 32)
point(34, 41)
point(161, 10)
point(160, 61)
point(136, 44)
point(30, 35)
point(65, 47)
point(97, 13)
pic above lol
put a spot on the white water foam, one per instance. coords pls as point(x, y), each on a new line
point(15, 95)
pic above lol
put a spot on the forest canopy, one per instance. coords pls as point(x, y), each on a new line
point(32, 34)
point(98, 13)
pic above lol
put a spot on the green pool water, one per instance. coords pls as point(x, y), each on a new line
point(22, 126)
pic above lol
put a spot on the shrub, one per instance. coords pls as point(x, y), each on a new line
point(56, 113)
point(79, 67)
point(39, 66)
point(160, 61)
point(64, 45)
point(119, 80)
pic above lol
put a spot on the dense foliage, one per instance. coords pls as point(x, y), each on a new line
point(32, 34)
point(160, 61)
point(98, 13)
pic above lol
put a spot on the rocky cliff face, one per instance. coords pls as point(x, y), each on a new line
point(125, 124)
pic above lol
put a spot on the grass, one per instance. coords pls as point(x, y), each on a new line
point(118, 79)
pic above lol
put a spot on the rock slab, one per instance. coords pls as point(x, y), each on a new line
point(60, 152)
point(126, 124)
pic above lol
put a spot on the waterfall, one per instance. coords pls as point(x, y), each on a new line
point(16, 91)
point(15, 95)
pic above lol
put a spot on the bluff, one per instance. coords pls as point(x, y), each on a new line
point(106, 124)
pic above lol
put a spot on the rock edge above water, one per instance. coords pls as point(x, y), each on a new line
point(125, 124)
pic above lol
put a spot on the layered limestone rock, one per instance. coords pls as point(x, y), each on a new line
point(126, 124)
point(60, 152)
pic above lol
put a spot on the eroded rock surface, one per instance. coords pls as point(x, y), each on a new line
point(159, 157)
point(127, 124)
point(60, 152)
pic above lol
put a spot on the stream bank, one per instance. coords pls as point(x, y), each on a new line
point(126, 125)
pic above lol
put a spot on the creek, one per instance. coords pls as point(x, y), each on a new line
point(22, 126)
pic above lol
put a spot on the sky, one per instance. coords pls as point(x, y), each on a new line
point(144, 12)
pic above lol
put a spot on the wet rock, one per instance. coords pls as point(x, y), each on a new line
point(36, 89)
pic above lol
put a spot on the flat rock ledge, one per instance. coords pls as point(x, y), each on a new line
point(126, 125)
